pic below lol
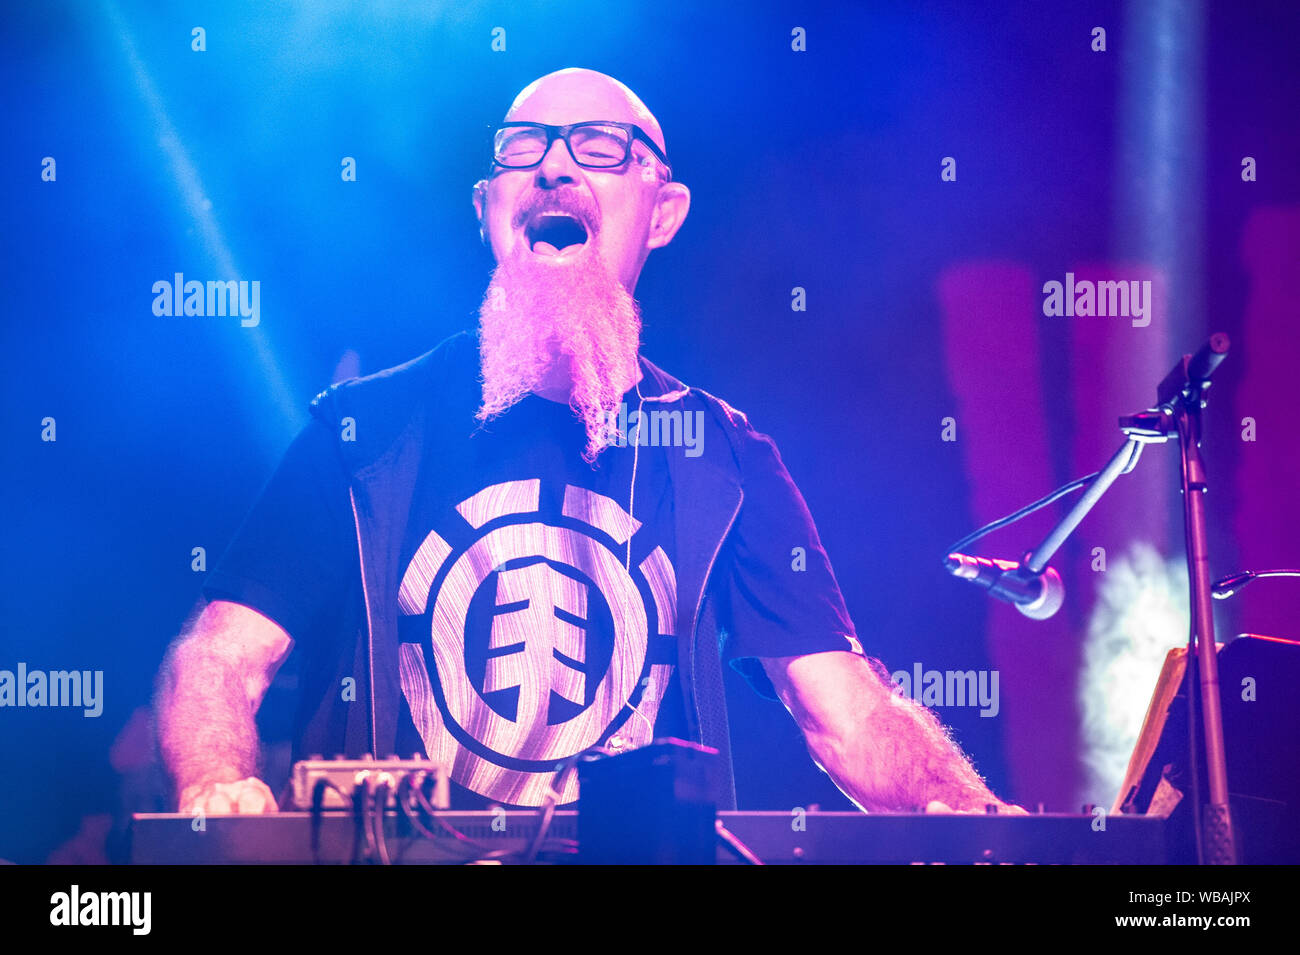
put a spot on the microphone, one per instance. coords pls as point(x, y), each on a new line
point(1037, 596)
point(1227, 586)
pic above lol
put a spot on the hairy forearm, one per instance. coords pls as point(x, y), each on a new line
point(903, 762)
point(207, 730)
point(883, 750)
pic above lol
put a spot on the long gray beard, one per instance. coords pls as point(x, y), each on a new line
point(532, 313)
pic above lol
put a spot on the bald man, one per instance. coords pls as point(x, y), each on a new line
point(532, 542)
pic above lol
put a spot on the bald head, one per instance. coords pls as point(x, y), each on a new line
point(577, 95)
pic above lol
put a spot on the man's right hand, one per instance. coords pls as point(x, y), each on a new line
point(247, 796)
point(209, 689)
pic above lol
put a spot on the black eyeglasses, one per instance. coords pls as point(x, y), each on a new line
point(593, 145)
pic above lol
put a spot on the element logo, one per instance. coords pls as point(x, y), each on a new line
point(534, 640)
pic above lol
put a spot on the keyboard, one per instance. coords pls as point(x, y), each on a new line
point(809, 838)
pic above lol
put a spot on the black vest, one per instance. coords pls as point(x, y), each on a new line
point(405, 414)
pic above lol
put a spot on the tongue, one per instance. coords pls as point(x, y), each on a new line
point(546, 248)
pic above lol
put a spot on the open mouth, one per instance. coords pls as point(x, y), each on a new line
point(554, 233)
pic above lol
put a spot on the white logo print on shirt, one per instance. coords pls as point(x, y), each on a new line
point(527, 594)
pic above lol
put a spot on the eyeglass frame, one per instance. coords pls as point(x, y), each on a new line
point(634, 133)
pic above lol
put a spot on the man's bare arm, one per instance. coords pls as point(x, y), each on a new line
point(211, 683)
point(884, 751)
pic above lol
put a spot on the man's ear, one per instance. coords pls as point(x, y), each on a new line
point(480, 208)
point(672, 203)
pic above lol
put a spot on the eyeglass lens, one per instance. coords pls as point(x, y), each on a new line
point(595, 145)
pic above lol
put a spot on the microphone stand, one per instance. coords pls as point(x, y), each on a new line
point(1122, 462)
point(1179, 399)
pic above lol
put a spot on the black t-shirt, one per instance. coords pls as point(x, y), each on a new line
point(538, 592)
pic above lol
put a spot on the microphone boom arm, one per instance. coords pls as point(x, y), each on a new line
point(1123, 461)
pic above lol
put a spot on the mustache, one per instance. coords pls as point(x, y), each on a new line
point(569, 202)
